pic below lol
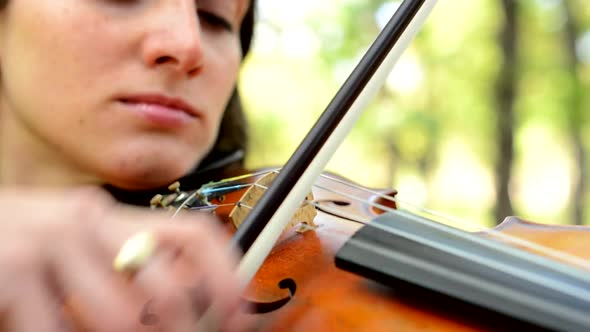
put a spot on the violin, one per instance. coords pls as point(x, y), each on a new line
point(307, 282)
point(341, 257)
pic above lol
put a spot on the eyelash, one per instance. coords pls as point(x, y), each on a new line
point(215, 21)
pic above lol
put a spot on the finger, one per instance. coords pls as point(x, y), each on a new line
point(200, 243)
point(197, 236)
point(56, 206)
point(207, 265)
point(102, 300)
point(240, 321)
point(204, 263)
point(169, 307)
point(37, 309)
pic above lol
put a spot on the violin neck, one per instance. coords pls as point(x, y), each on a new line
point(477, 270)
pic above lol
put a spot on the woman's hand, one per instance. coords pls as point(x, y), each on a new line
point(56, 257)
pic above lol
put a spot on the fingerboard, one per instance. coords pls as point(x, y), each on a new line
point(477, 270)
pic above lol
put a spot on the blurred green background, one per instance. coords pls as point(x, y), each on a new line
point(484, 116)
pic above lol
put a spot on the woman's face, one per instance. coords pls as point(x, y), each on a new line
point(129, 92)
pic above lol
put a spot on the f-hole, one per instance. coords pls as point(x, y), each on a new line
point(266, 307)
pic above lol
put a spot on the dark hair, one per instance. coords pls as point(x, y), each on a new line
point(232, 142)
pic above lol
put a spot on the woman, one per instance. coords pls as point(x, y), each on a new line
point(127, 95)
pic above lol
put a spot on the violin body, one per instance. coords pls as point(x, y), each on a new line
point(299, 287)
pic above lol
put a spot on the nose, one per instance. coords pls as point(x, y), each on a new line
point(175, 40)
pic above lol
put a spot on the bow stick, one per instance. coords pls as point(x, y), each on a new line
point(265, 223)
point(262, 227)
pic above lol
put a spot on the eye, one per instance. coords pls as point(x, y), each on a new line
point(215, 21)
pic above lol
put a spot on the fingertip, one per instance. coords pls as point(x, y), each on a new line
point(240, 322)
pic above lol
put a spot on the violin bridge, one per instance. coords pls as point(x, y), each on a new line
point(303, 217)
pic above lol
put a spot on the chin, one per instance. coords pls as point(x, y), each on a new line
point(139, 184)
point(145, 162)
point(144, 176)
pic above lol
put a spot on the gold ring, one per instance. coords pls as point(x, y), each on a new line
point(135, 252)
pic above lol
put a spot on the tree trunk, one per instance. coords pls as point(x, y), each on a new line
point(575, 115)
point(505, 96)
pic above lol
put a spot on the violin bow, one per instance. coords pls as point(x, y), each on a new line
point(266, 221)
point(264, 224)
point(565, 308)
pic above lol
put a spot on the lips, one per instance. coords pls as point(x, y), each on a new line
point(160, 110)
point(162, 101)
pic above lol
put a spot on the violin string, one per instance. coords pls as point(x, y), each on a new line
point(209, 191)
point(185, 203)
point(214, 185)
point(217, 206)
point(335, 211)
point(509, 238)
point(316, 204)
point(500, 266)
point(240, 204)
point(441, 217)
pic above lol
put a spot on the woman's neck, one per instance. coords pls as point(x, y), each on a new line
point(28, 160)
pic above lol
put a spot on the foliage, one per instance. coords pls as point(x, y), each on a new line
point(430, 132)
